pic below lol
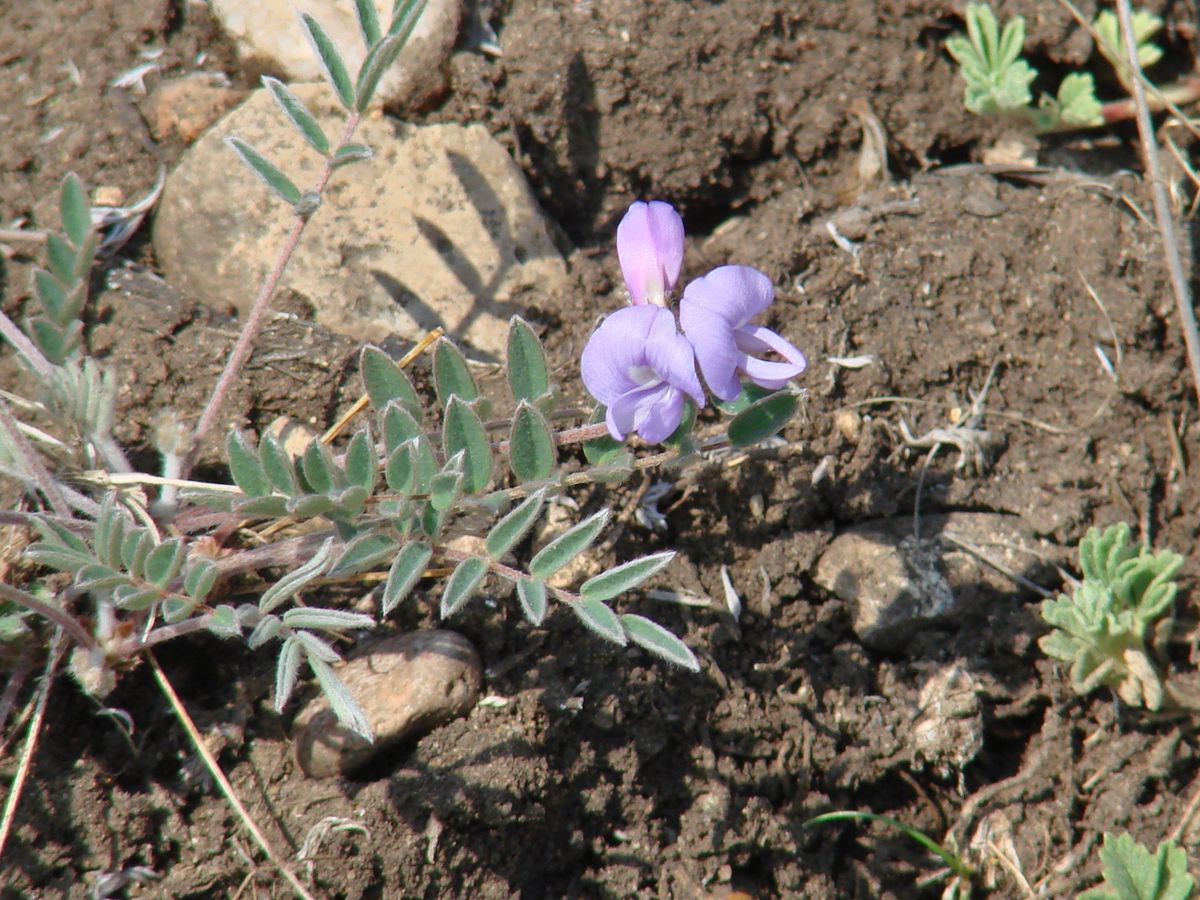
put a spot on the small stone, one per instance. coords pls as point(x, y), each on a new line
point(271, 32)
point(896, 586)
point(948, 732)
point(186, 107)
point(293, 436)
point(848, 424)
point(438, 228)
point(406, 685)
point(108, 195)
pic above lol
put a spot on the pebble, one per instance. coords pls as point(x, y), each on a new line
point(271, 33)
point(406, 685)
point(896, 587)
point(186, 107)
point(439, 228)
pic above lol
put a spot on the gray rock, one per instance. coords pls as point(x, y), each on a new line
point(270, 33)
point(439, 228)
point(896, 586)
point(406, 685)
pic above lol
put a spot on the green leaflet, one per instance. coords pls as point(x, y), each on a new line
point(528, 375)
point(514, 526)
point(463, 584)
point(653, 637)
point(463, 432)
point(568, 545)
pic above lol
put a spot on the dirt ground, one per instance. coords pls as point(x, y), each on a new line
point(604, 774)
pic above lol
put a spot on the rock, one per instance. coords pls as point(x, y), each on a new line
point(948, 731)
point(406, 685)
point(271, 33)
point(187, 106)
point(439, 228)
point(897, 587)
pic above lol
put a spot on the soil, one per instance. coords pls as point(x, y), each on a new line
point(601, 773)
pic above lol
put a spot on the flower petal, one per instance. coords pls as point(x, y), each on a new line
point(672, 357)
point(650, 248)
point(765, 373)
point(712, 340)
point(616, 347)
point(736, 293)
point(653, 412)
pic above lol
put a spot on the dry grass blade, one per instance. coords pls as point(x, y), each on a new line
point(1162, 207)
point(222, 782)
point(35, 729)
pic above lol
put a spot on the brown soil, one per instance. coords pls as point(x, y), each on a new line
point(605, 774)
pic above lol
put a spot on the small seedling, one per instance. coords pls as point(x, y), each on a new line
point(998, 78)
point(1131, 872)
point(957, 870)
point(1114, 627)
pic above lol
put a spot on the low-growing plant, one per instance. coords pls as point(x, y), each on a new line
point(1114, 626)
point(1131, 872)
point(418, 472)
point(998, 78)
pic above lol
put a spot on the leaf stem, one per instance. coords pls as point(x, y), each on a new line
point(245, 342)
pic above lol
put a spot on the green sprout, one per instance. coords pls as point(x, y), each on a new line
point(998, 78)
point(1117, 619)
point(1131, 872)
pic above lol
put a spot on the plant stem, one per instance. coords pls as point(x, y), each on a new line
point(1162, 208)
point(25, 346)
point(1178, 94)
point(245, 342)
point(57, 615)
point(32, 463)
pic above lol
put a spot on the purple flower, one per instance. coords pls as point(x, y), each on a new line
point(650, 248)
point(715, 313)
point(639, 366)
